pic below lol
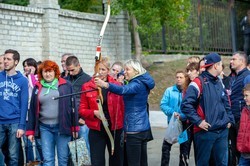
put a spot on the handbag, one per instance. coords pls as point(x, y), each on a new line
point(173, 131)
point(82, 152)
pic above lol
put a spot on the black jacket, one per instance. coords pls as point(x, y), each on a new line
point(77, 81)
point(245, 27)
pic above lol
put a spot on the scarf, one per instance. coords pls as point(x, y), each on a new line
point(46, 85)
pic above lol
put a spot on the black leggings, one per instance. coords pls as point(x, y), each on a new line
point(98, 141)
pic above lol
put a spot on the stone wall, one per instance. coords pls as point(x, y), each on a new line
point(46, 32)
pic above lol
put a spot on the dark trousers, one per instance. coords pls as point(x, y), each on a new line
point(184, 154)
point(125, 160)
point(98, 141)
point(246, 43)
point(136, 146)
point(184, 148)
point(233, 132)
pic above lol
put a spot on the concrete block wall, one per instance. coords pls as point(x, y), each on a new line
point(21, 29)
point(81, 36)
point(46, 32)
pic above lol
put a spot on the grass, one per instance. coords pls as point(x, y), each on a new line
point(164, 76)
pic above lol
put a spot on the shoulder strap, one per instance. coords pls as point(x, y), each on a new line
point(202, 84)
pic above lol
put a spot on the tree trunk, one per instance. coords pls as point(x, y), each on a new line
point(137, 40)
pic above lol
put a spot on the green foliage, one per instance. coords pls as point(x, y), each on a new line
point(82, 5)
point(215, 26)
point(16, 2)
point(152, 14)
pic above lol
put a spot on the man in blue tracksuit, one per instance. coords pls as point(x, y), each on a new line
point(14, 105)
point(238, 64)
point(206, 105)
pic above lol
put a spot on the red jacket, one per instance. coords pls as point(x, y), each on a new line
point(88, 104)
point(243, 138)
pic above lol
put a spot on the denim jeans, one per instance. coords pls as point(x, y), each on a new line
point(244, 162)
point(84, 133)
point(9, 130)
point(209, 143)
point(51, 139)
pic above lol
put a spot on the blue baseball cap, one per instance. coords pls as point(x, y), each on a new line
point(211, 59)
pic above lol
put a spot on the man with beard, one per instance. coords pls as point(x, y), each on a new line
point(14, 106)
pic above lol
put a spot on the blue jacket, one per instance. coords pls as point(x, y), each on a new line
point(237, 99)
point(135, 96)
point(171, 102)
point(65, 110)
point(14, 98)
point(209, 102)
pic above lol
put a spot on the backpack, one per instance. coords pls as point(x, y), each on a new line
point(202, 84)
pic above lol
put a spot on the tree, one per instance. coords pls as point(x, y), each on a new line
point(148, 16)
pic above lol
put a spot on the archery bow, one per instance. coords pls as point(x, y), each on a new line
point(98, 58)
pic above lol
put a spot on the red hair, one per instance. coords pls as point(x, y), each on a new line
point(48, 65)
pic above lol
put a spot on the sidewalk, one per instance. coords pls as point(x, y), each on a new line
point(154, 150)
point(158, 119)
point(158, 122)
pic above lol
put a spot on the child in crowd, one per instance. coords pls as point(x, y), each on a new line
point(193, 59)
point(243, 139)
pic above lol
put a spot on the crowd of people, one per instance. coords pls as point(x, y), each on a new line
point(37, 122)
point(213, 108)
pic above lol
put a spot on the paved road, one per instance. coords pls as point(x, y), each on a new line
point(154, 150)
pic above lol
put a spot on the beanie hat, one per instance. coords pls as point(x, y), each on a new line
point(211, 59)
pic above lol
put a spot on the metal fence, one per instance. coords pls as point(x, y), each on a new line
point(212, 27)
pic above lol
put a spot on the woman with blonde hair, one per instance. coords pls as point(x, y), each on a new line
point(136, 117)
point(193, 59)
point(113, 109)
